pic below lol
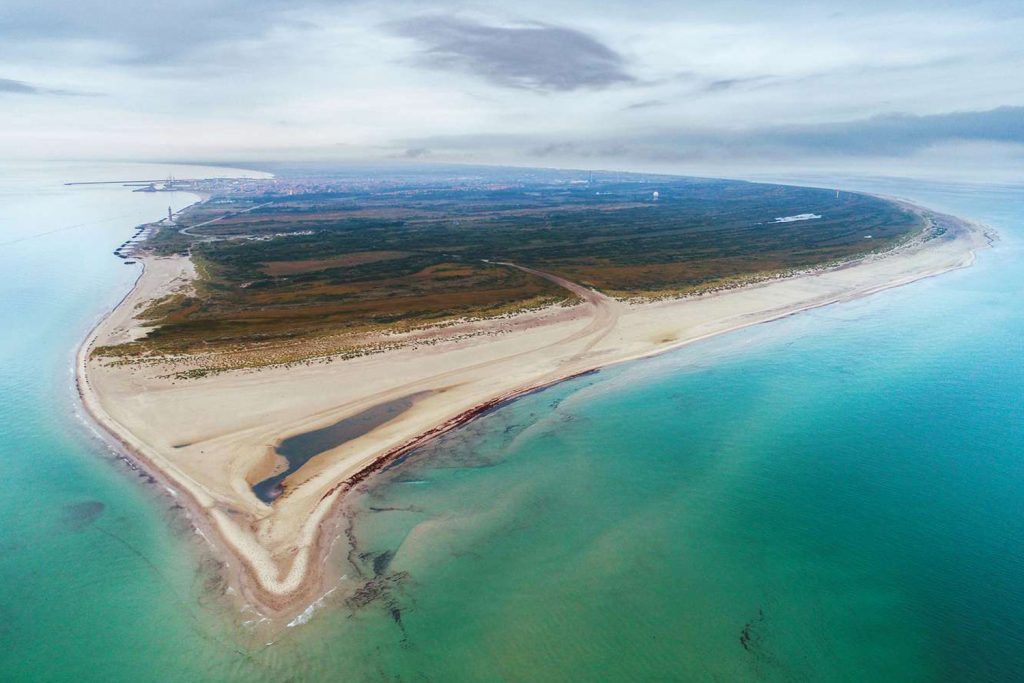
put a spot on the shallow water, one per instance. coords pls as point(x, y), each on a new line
point(834, 496)
point(96, 579)
point(299, 449)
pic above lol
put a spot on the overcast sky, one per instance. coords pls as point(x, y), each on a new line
point(666, 86)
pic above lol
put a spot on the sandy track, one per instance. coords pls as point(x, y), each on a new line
point(604, 310)
point(232, 214)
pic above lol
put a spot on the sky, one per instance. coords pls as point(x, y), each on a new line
point(900, 87)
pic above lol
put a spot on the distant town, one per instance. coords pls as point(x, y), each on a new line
point(292, 183)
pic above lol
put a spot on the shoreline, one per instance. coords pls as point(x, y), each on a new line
point(256, 573)
point(93, 418)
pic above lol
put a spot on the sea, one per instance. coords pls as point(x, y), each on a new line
point(835, 496)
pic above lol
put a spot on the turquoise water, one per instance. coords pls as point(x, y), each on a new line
point(834, 496)
point(97, 581)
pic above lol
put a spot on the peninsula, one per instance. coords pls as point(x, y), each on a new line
point(289, 337)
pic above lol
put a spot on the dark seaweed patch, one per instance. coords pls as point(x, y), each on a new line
point(375, 589)
point(381, 561)
point(393, 508)
point(382, 589)
point(78, 516)
point(750, 637)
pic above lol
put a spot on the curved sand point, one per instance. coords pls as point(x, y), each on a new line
point(212, 437)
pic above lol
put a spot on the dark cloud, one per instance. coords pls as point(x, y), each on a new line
point(645, 104)
point(891, 135)
point(415, 153)
point(599, 150)
point(8, 85)
point(534, 56)
point(895, 134)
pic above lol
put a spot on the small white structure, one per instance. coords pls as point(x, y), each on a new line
point(798, 217)
point(655, 195)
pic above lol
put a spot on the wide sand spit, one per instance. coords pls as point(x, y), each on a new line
point(211, 438)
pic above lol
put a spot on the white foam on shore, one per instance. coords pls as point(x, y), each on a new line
point(307, 613)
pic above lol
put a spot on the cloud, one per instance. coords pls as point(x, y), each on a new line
point(886, 136)
point(894, 134)
point(8, 85)
point(415, 153)
point(645, 104)
point(531, 56)
point(144, 33)
point(724, 84)
point(551, 81)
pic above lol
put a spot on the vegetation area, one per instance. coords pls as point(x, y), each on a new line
point(276, 267)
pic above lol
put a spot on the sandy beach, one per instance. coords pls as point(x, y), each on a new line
point(212, 438)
